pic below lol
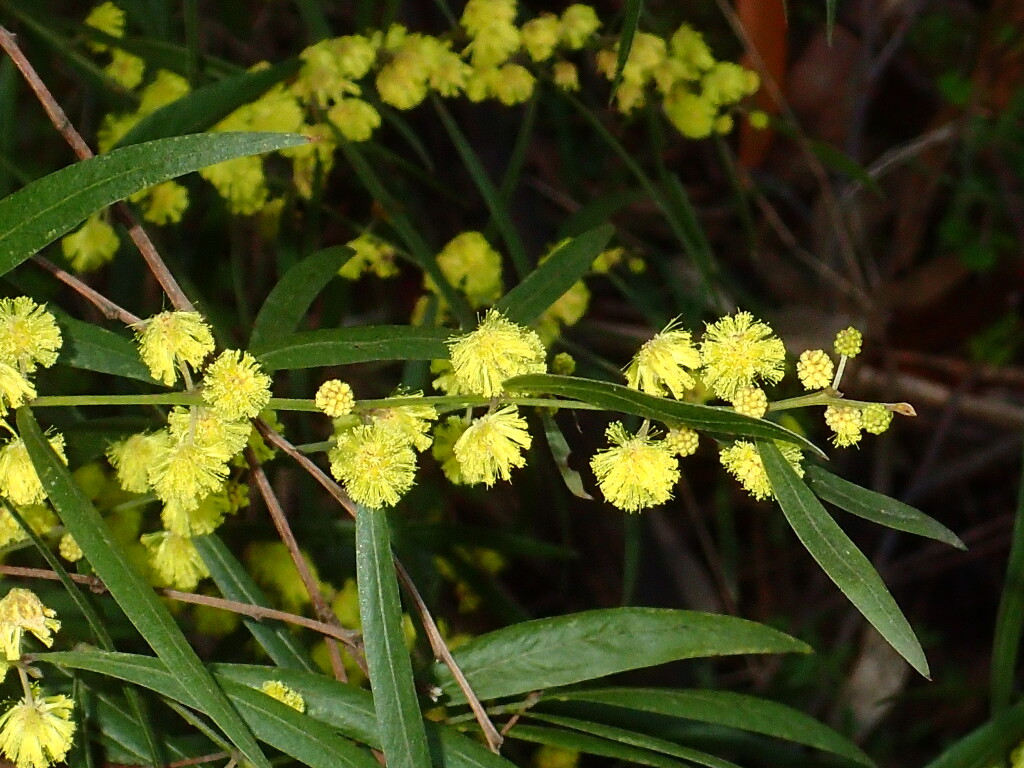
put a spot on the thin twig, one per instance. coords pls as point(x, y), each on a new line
point(109, 309)
point(60, 121)
point(199, 760)
point(245, 609)
point(437, 643)
point(323, 609)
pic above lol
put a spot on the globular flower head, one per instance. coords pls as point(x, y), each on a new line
point(472, 266)
point(662, 365)
point(375, 462)
point(167, 87)
point(92, 245)
point(540, 36)
point(750, 401)
point(171, 338)
point(742, 461)
point(497, 350)
point(275, 689)
point(163, 203)
point(22, 611)
point(15, 388)
point(849, 342)
point(175, 561)
point(446, 435)
point(563, 364)
point(69, 548)
point(108, 19)
point(566, 76)
point(202, 519)
point(727, 83)
point(637, 472)
point(579, 22)
point(132, 458)
point(355, 119)
point(412, 421)
point(37, 732)
point(39, 518)
point(846, 424)
point(371, 255)
point(18, 479)
point(272, 566)
point(876, 418)
point(738, 350)
point(815, 369)
point(29, 335)
point(512, 84)
point(125, 69)
point(682, 441)
point(335, 398)
point(235, 387)
point(492, 446)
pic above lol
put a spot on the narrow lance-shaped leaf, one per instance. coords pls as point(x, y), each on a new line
point(839, 557)
point(91, 348)
point(38, 214)
point(129, 589)
point(593, 745)
point(400, 725)
point(354, 344)
point(1010, 617)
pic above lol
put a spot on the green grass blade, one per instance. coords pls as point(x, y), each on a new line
point(616, 397)
point(830, 19)
point(988, 744)
point(877, 507)
point(839, 557)
point(91, 348)
point(38, 214)
point(399, 723)
point(725, 708)
point(548, 282)
point(563, 650)
point(499, 211)
point(630, 20)
point(203, 108)
point(593, 745)
point(283, 309)
point(236, 584)
point(129, 589)
point(353, 344)
point(1010, 618)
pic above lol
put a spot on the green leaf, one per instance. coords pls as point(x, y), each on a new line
point(129, 589)
point(616, 397)
point(630, 20)
point(236, 584)
point(352, 344)
point(592, 745)
point(560, 452)
point(400, 725)
point(38, 214)
point(549, 282)
point(830, 18)
point(839, 557)
point(562, 650)
point(733, 710)
point(91, 348)
point(120, 730)
point(283, 309)
point(988, 744)
point(203, 108)
point(877, 507)
point(1010, 618)
point(634, 739)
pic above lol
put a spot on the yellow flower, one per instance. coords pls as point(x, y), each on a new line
point(18, 479)
point(167, 87)
point(876, 418)
point(164, 203)
point(170, 338)
point(175, 560)
point(273, 568)
point(692, 115)
point(37, 732)
point(567, 310)
point(472, 266)
point(39, 517)
point(758, 119)
point(688, 47)
point(69, 548)
point(750, 401)
point(637, 472)
point(738, 349)
point(204, 518)
point(815, 369)
point(579, 22)
point(448, 72)
point(375, 462)
point(646, 53)
point(446, 435)
point(185, 470)
point(848, 342)
point(356, 119)
point(275, 689)
point(92, 245)
point(22, 611)
point(513, 84)
point(846, 424)
point(497, 350)
point(113, 129)
point(125, 68)
point(660, 367)
point(742, 461)
point(345, 605)
point(727, 82)
point(493, 42)
point(241, 182)
point(335, 398)
point(492, 446)
point(371, 255)
point(330, 66)
point(555, 757)
point(235, 387)
point(566, 76)
point(132, 458)
point(29, 335)
point(412, 421)
point(540, 36)
point(682, 441)
point(563, 364)
point(108, 19)
point(15, 388)
point(479, 14)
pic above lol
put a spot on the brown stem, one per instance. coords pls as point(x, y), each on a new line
point(109, 309)
point(245, 609)
point(494, 739)
point(320, 604)
point(198, 760)
point(60, 121)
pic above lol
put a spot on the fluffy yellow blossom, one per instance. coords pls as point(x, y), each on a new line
point(565, 75)
point(39, 517)
point(335, 398)
point(235, 387)
point(412, 421)
point(92, 245)
point(108, 19)
point(563, 364)
point(555, 757)
point(513, 84)
point(479, 14)
point(175, 560)
point(567, 310)
point(375, 462)
point(471, 265)
point(200, 520)
point(241, 182)
point(497, 350)
point(691, 114)
point(329, 68)
point(848, 342)
point(125, 69)
point(660, 367)
point(15, 388)
point(275, 689)
point(29, 335)
point(273, 568)
point(876, 418)
point(448, 72)
point(637, 472)
point(736, 351)
point(727, 82)
point(355, 119)
point(22, 611)
point(758, 119)
point(815, 369)
point(132, 458)
point(492, 446)
point(494, 36)
point(579, 22)
point(446, 435)
point(167, 87)
point(170, 338)
point(371, 255)
point(540, 36)
point(846, 424)
point(38, 731)
point(402, 82)
point(750, 401)
point(164, 203)
point(113, 128)
point(682, 441)
point(18, 479)
point(69, 548)
point(742, 461)
point(645, 54)
point(688, 47)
